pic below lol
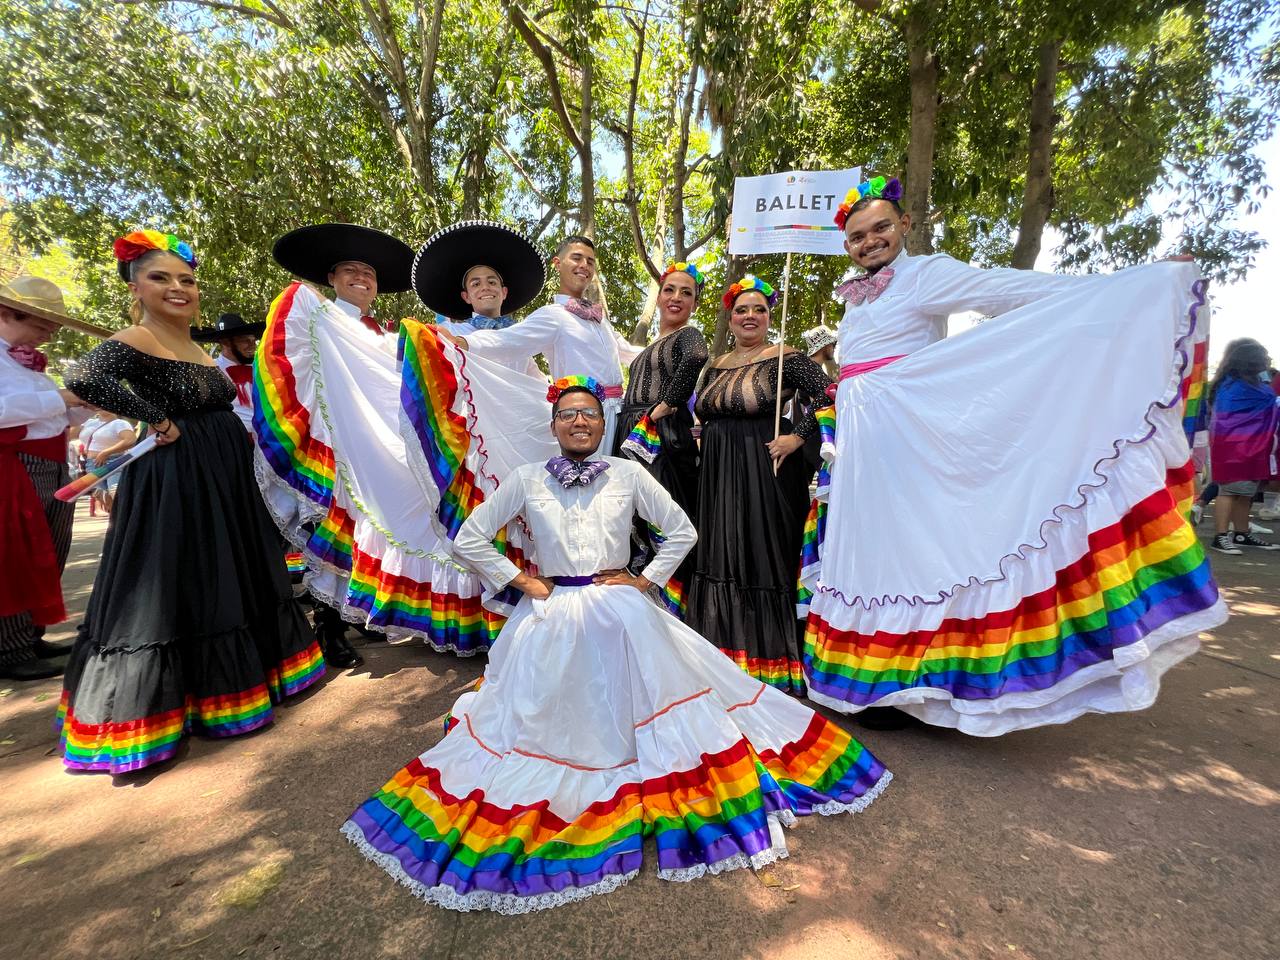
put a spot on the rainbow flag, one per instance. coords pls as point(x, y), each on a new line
point(83, 484)
point(643, 442)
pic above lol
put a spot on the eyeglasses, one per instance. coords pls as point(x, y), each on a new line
point(587, 413)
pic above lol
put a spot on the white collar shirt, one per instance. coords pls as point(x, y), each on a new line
point(577, 531)
point(912, 311)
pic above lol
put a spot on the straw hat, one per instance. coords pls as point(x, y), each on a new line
point(36, 297)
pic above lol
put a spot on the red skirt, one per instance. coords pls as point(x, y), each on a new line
point(30, 581)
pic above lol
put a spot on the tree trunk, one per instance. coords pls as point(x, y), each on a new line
point(1037, 194)
point(644, 323)
point(923, 63)
point(587, 203)
point(680, 171)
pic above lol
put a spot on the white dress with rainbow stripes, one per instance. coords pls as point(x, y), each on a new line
point(602, 722)
point(369, 462)
point(1006, 543)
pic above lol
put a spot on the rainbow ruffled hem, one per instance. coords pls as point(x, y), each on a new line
point(1139, 574)
point(465, 853)
point(126, 746)
point(352, 561)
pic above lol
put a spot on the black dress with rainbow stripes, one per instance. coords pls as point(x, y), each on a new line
point(192, 625)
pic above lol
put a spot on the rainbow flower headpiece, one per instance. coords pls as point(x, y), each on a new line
point(683, 267)
point(590, 384)
point(746, 284)
point(133, 245)
point(877, 188)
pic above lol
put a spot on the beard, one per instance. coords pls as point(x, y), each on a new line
point(237, 355)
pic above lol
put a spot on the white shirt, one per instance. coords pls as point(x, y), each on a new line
point(242, 410)
point(576, 531)
point(572, 346)
point(31, 399)
point(102, 435)
point(912, 311)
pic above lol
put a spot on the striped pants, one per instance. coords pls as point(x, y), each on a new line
point(17, 633)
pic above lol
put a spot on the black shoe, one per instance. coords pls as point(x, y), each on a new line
point(331, 635)
point(885, 718)
point(1222, 543)
point(41, 669)
point(1249, 540)
point(47, 651)
point(370, 634)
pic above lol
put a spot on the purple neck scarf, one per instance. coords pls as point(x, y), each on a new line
point(575, 473)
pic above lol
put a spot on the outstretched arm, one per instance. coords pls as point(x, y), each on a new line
point(533, 335)
point(948, 286)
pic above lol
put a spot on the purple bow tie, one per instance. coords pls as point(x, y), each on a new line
point(30, 357)
point(584, 310)
point(866, 288)
point(577, 473)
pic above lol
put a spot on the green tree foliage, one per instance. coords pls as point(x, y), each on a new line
point(232, 122)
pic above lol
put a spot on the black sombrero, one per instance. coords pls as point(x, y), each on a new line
point(442, 261)
point(228, 325)
point(311, 252)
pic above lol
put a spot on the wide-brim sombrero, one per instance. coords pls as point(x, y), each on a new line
point(312, 252)
point(228, 325)
point(442, 261)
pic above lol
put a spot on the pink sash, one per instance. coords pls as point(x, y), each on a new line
point(857, 369)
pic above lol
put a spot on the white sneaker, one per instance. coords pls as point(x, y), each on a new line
point(1267, 513)
point(1258, 528)
point(1197, 514)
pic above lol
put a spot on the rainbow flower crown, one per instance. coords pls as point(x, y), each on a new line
point(590, 384)
point(133, 245)
point(745, 285)
point(877, 188)
point(684, 267)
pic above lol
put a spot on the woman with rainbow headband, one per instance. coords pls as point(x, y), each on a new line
point(191, 626)
point(655, 425)
point(1006, 545)
point(602, 719)
point(753, 492)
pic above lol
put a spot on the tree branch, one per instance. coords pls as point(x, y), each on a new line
point(272, 14)
point(548, 64)
point(628, 146)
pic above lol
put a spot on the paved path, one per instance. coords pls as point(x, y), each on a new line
point(1150, 835)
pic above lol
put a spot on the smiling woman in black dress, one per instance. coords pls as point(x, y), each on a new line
point(751, 519)
point(660, 384)
point(191, 626)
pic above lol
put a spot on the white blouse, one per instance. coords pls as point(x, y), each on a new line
point(577, 531)
point(572, 346)
point(912, 311)
point(31, 399)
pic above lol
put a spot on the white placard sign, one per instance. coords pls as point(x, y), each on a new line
point(790, 212)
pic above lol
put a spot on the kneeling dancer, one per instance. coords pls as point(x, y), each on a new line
point(602, 718)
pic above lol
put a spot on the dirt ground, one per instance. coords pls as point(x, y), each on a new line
point(1148, 835)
